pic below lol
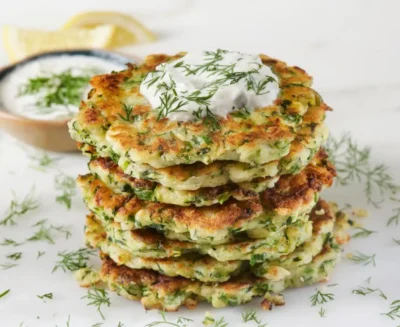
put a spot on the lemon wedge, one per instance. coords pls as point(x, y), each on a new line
point(20, 43)
point(128, 29)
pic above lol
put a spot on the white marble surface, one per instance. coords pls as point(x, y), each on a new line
point(352, 48)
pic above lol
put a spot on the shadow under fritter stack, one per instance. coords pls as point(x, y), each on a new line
point(222, 209)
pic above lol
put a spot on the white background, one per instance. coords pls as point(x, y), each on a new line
point(352, 48)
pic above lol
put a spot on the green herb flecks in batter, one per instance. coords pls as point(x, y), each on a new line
point(67, 186)
point(18, 207)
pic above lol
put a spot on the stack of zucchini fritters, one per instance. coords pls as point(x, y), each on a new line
point(219, 210)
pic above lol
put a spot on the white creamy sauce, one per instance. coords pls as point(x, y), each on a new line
point(33, 104)
point(212, 82)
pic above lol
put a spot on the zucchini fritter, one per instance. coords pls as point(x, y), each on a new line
point(207, 269)
point(148, 243)
point(110, 173)
point(156, 291)
point(137, 135)
point(290, 200)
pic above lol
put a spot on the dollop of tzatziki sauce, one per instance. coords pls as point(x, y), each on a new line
point(210, 83)
point(51, 88)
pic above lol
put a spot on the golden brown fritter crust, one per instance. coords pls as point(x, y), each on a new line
point(264, 136)
point(292, 191)
point(156, 291)
point(289, 195)
point(113, 176)
point(204, 267)
point(273, 245)
point(212, 217)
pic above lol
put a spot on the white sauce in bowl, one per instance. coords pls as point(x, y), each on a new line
point(50, 88)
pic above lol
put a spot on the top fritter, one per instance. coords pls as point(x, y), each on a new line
point(183, 109)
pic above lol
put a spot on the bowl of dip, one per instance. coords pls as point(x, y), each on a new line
point(40, 94)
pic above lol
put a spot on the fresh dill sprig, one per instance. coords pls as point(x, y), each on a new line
point(260, 86)
point(395, 219)
point(10, 242)
point(363, 232)
point(181, 322)
point(98, 324)
point(397, 241)
point(72, 261)
point(18, 208)
point(67, 322)
point(252, 316)
point(48, 296)
point(394, 312)
point(14, 256)
point(169, 104)
point(42, 161)
point(120, 324)
point(162, 322)
point(367, 290)
point(4, 293)
point(220, 323)
point(40, 254)
point(6, 266)
point(363, 259)
point(211, 120)
point(45, 232)
point(320, 298)
point(67, 186)
point(242, 113)
point(353, 163)
point(98, 297)
point(62, 89)
point(224, 74)
point(322, 312)
point(128, 113)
